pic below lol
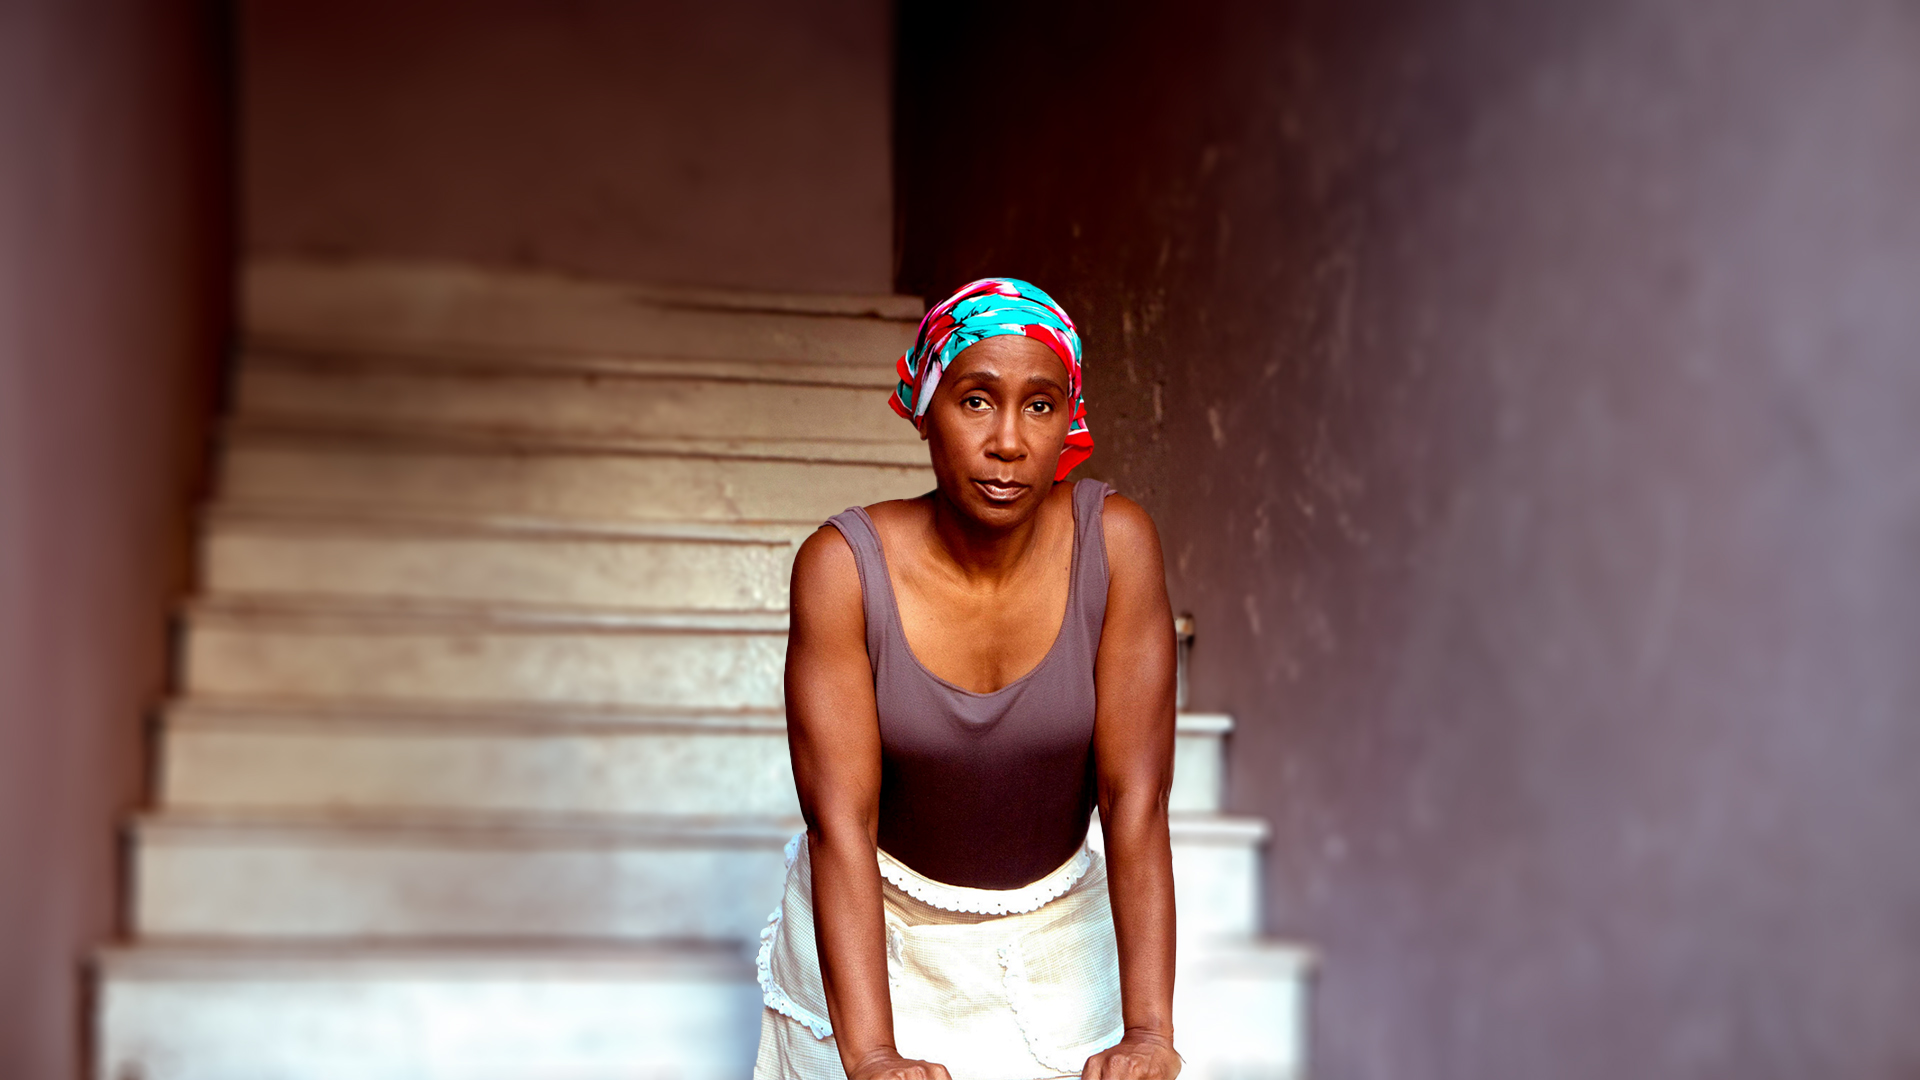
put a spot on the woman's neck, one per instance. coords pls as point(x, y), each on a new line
point(981, 552)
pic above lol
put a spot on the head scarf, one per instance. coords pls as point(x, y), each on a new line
point(988, 308)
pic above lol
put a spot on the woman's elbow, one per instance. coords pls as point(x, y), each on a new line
point(832, 827)
point(1141, 802)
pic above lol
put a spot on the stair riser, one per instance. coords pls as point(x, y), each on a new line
point(644, 773)
point(591, 487)
point(484, 1025)
point(570, 404)
point(1240, 1028)
point(374, 885)
point(674, 772)
point(664, 574)
point(1217, 890)
point(327, 888)
point(721, 670)
point(463, 1027)
point(393, 314)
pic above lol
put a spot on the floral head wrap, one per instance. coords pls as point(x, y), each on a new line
point(988, 308)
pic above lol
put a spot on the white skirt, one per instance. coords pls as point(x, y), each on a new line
point(994, 984)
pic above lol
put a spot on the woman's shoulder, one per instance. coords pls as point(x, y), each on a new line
point(1118, 511)
point(1133, 542)
point(826, 577)
point(827, 568)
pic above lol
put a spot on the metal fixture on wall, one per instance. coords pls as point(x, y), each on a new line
point(1183, 641)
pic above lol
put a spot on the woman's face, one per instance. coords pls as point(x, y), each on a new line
point(996, 425)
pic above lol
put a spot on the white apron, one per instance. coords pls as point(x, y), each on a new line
point(1013, 984)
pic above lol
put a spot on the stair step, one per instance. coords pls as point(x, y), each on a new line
point(284, 1012)
point(455, 878)
point(205, 875)
point(556, 401)
point(864, 374)
point(1240, 1010)
point(365, 758)
point(603, 1011)
point(402, 436)
point(556, 483)
point(342, 556)
point(265, 513)
point(230, 758)
point(363, 305)
point(1216, 875)
point(474, 653)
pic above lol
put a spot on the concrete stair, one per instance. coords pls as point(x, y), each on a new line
point(478, 767)
point(633, 400)
point(425, 877)
point(507, 1011)
point(478, 653)
point(513, 1011)
point(382, 308)
point(369, 757)
point(273, 553)
point(567, 482)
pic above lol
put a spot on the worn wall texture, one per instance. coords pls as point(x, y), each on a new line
point(741, 144)
point(113, 251)
point(1527, 395)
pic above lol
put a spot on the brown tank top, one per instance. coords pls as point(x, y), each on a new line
point(988, 791)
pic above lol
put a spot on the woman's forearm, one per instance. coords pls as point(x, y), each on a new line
point(852, 940)
point(1140, 883)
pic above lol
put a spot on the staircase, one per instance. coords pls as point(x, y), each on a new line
point(478, 768)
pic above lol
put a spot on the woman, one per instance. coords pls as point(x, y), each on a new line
point(969, 674)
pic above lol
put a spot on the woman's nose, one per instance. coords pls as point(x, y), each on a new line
point(1003, 441)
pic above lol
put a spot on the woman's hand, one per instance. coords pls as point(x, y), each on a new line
point(887, 1064)
point(1139, 1055)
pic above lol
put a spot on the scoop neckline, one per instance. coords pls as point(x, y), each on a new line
point(1059, 635)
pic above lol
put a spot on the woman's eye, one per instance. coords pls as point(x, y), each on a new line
point(1041, 406)
point(974, 401)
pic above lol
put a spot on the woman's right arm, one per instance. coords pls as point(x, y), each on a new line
point(833, 729)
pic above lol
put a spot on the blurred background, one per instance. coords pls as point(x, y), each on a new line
point(407, 410)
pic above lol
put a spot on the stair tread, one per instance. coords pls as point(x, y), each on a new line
point(392, 438)
point(270, 279)
point(238, 515)
point(1257, 958)
point(161, 958)
point(519, 829)
point(454, 362)
point(259, 714)
point(268, 714)
point(538, 957)
point(382, 304)
point(328, 612)
point(447, 477)
point(514, 830)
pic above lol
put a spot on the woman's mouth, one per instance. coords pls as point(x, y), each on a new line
point(1000, 491)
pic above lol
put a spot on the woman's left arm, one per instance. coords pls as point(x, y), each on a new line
point(1133, 760)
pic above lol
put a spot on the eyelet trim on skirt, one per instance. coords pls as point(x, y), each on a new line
point(986, 901)
point(1029, 1014)
point(770, 991)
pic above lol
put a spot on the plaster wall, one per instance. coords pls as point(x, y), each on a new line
point(1526, 395)
point(112, 285)
point(741, 144)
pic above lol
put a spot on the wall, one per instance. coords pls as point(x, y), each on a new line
point(112, 277)
point(1526, 394)
point(739, 144)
